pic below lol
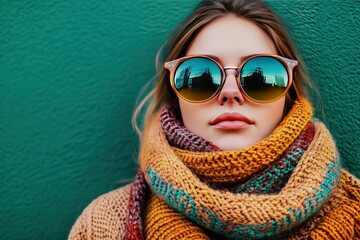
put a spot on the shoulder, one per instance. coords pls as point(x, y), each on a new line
point(104, 218)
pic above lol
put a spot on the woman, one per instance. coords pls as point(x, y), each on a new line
point(229, 149)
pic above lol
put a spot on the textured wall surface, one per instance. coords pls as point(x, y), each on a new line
point(70, 72)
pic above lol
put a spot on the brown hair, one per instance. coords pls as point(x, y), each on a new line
point(206, 12)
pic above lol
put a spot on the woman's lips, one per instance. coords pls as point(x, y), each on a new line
point(231, 121)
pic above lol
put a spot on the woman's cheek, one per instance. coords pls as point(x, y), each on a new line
point(195, 116)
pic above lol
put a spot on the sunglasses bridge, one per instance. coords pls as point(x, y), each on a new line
point(232, 67)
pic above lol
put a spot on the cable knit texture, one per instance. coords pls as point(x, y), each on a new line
point(288, 186)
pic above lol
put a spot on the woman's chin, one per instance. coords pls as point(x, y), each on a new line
point(236, 142)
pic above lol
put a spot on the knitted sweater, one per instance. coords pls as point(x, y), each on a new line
point(104, 218)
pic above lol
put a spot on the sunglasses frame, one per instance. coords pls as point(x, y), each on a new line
point(289, 65)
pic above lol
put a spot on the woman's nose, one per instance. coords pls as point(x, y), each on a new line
point(230, 91)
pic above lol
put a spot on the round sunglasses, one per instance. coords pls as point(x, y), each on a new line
point(262, 78)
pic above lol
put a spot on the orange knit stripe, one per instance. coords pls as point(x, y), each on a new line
point(341, 223)
point(162, 222)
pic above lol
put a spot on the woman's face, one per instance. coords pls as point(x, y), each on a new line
point(230, 39)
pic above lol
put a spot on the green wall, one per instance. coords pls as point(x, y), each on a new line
point(70, 72)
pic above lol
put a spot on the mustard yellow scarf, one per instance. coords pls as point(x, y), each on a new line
point(319, 200)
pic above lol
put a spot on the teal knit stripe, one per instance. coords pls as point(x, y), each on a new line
point(332, 173)
point(176, 198)
point(262, 184)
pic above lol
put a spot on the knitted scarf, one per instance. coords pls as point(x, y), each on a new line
point(287, 186)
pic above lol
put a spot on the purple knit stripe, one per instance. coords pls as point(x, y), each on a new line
point(179, 136)
point(136, 204)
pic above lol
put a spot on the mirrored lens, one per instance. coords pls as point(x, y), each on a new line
point(264, 78)
point(197, 79)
